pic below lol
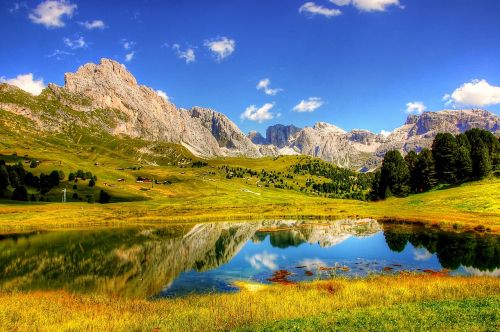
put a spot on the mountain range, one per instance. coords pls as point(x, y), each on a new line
point(106, 96)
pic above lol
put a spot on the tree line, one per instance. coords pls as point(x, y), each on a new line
point(472, 155)
point(19, 179)
point(15, 181)
point(338, 182)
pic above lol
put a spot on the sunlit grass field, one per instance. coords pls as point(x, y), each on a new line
point(205, 194)
point(405, 302)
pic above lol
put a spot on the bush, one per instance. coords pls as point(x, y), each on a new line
point(20, 194)
point(104, 197)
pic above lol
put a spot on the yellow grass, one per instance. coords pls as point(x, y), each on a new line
point(467, 206)
point(50, 311)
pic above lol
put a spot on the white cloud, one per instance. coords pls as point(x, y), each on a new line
point(59, 54)
point(477, 93)
point(187, 55)
point(50, 13)
point(415, 107)
point(421, 254)
point(312, 9)
point(26, 82)
point(263, 260)
point(264, 85)
point(309, 105)
point(91, 25)
point(341, 2)
point(312, 263)
point(163, 95)
point(222, 47)
point(385, 133)
point(368, 5)
point(129, 56)
point(127, 44)
point(16, 6)
point(76, 43)
point(258, 114)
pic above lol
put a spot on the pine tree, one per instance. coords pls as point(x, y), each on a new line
point(20, 194)
point(411, 160)
point(395, 175)
point(425, 173)
point(104, 197)
point(480, 152)
point(484, 164)
point(444, 149)
point(463, 158)
point(463, 164)
point(4, 180)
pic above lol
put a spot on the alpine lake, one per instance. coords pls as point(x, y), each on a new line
point(168, 261)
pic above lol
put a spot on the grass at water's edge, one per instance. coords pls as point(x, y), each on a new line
point(405, 302)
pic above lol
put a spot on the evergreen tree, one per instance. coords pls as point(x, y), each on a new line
point(463, 163)
point(20, 194)
point(375, 192)
point(45, 184)
point(104, 197)
point(444, 150)
point(4, 180)
point(411, 161)
point(483, 161)
point(425, 173)
point(462, 140)
point(480, 152)
point(395, 176)
point(54, 178)
point(14, 178)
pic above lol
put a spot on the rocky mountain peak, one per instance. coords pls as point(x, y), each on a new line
point(107, 70)
point(256, 137)
point(411, 119)
point(280, 135)
point(328, 128)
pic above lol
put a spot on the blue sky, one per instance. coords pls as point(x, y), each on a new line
point(353, 63)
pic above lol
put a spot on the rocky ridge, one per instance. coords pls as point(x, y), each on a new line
point(127, 108)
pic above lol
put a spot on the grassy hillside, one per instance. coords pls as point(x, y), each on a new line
point(203, 194)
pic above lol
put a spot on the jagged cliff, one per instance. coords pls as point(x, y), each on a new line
point(138, 111)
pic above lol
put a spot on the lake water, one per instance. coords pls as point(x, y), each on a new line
point(176, 260)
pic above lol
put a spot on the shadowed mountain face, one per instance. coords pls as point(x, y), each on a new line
point(106, 96)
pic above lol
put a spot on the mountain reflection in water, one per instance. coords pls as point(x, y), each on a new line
point(147, 261)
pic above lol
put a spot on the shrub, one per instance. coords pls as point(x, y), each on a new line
point(20, 194)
